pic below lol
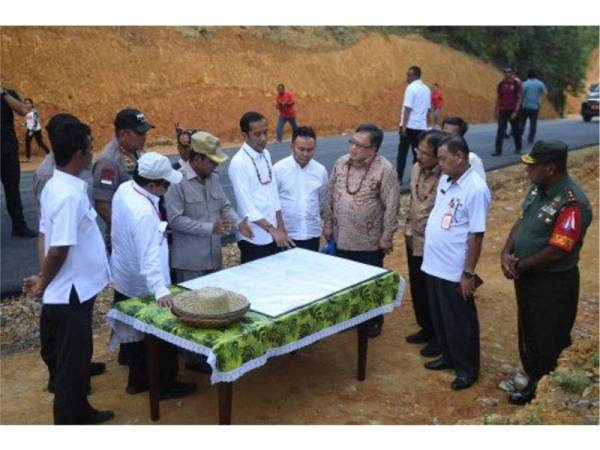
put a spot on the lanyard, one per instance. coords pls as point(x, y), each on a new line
point(155, 208)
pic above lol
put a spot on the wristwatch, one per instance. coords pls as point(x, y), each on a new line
point(468, 274)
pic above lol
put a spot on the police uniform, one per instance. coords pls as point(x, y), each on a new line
point(556, 216)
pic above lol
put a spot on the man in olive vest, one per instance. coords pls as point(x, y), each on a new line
point(541, 255)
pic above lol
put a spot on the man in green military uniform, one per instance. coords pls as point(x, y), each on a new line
point(541, 255)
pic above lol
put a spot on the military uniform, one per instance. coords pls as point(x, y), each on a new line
point(547, 298)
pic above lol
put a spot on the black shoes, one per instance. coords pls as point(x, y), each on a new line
point(178, 390)
point(97, 368)
point(496, 153)
point(430, 350)
point(24, 232)
point(437, 364)
point(136, 388)
point(98, 417)
point(523, 397)
point(417, 338)
point(462, 383)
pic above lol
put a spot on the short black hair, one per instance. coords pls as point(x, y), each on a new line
point(143, 182)
point(432, 137)
point(463, 126)
point(27, 99)
point(248, 118)
point(68, 140)
point(304, 132)
point(56, 122)
point(280, 85)
point(416, 70)
point(375, 133)
point(454, 144)
point(531, 73)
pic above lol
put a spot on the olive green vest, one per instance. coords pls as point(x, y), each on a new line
point(541, 208)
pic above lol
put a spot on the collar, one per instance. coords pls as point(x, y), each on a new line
point(187, 171)
point(141, 191)
point(462, 178)
point(555, 189)
point(74, 181)
point(253, 153)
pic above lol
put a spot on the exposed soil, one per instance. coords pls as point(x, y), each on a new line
point(318, 384)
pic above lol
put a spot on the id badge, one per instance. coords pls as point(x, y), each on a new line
point(446, 221)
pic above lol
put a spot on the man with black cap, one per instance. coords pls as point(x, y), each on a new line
point(117, 160)
point(541, 256)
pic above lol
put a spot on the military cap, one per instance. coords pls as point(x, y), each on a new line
point(208, 145)
point(544, 151)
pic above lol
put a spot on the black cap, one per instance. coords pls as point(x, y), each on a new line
point(132, 119)
point(544, 151)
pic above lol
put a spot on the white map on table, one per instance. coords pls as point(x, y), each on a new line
point(288, 280)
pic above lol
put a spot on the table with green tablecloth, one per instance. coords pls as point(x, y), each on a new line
point(256, 337)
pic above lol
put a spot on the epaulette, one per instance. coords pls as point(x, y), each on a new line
point(570, 195)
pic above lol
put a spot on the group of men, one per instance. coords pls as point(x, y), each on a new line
point(165, 224)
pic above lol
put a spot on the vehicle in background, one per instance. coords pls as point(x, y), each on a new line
point(590, 107)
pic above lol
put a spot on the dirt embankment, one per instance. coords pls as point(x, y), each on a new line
point(573, 105)
point(318, 385)
point(208, 78)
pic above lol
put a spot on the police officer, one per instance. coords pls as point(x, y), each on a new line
point(541, 255)
point(117, 160)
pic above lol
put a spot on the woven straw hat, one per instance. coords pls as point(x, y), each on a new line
point(210, 307)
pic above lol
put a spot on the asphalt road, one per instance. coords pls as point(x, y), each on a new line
point(18, 258)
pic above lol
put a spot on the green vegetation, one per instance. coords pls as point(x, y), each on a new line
point(559, 54)
point(573, 382)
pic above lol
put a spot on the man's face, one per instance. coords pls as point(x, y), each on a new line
point(360, 147)
point(86, 155)
point(410, 76)
point(452, 129)
point(183, 146)
point(303, 149)
point(450, 164)
point(426, 156)
point(202, 166)
point(131, 140)
point(257, 135)
point(280, 89)
point(158, 188)
point(538, 173)
point(508, 73)
point(28, 105)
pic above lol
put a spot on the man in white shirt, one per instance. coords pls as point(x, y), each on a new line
point(453, 240)
point(74, 269)
point(458, 127)
point(255, 188)
point(140, 263)
point(414, 115)
point(302, 185)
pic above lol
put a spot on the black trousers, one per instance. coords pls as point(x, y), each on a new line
point(532, 115)
point(10, 171)
point(250, 252)
point(503, 119)
point(410, 140)
point(456, 326)
point(547, 307)
point(418, 292)
point(71, 327)
point(372, 258)
point(38, 138)
point(134, 355)
point(309, 244)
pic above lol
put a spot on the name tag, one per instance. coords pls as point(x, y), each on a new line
point(446, 221)
point(549, 209)
point(162, 226)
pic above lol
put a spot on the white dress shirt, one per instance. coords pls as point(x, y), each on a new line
point(254, 199)
point(477, 165)
point(302, 193)
point(417, 97)
point(68, 219)
point(460, 208)
point(140, 254)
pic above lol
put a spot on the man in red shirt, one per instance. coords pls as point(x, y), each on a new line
point(508, 103)
point(437, 101)
point(286, 105)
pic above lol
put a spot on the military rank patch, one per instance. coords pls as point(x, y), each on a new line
point(567, 229)
point(107, 176)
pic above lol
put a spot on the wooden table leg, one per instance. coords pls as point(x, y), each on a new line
point(153, 365)
point(363, 345)
point(225, 400)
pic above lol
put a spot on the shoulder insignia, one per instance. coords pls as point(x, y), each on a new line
point(570, 195)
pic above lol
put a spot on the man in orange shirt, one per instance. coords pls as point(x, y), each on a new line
point(286, 105)
point(437, 101)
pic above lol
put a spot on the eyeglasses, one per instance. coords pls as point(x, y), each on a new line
point(352, 143)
